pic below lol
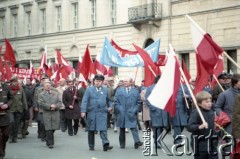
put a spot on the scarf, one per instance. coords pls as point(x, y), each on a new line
point(14, 88)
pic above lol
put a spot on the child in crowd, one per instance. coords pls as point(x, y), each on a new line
point(203, 139)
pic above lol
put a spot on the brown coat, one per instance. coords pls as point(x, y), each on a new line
point(236, 118)
point(145, 109)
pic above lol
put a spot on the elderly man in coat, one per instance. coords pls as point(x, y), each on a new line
point(50, 103)
point(127, 105)
point(159, 118)
point(97, 103)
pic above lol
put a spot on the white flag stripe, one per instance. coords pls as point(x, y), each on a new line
point(197, 32)
point(163, 90)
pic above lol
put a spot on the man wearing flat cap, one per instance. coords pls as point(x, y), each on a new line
point(97, 103)
point(223, 80)
point(19, 105)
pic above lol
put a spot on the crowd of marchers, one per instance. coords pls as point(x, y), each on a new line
point(100, 104)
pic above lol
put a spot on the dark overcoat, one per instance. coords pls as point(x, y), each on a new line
point(67, 99)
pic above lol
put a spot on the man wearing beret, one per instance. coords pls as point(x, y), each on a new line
point(6, 98)
point(97, 103)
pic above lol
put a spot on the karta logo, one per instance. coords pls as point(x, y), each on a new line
point(182, 144)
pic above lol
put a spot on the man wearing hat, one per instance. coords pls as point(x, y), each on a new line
point(19, 105)
point(6, 99)
point(224, 82)
point(97, 103)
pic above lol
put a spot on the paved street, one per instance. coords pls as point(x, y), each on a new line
point(76, 147)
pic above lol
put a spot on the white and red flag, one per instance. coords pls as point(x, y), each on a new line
point(100, 68)
point(208, 55)
point(164, 94)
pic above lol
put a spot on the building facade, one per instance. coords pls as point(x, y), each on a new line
point(69, 25)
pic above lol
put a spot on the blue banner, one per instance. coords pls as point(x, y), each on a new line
point(110, 56)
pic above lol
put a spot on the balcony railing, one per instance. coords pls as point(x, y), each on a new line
point(152, 11)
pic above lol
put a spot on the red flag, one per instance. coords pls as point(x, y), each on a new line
point(205, 47)
point(9, 53)
point(202, 78)
point(1, 65)
point(8, 72)
point(86, 65)
point(49, 69)
point(162, 59)
point(110, 72)
point(56, 65)
point(63, 62)
point(150, 69)
point(185, 70)
point(169, 82)
point(219, 68)
point(100, 67)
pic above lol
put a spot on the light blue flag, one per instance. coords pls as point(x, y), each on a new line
point(110, 57)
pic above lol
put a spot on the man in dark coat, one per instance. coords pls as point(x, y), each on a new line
point(97, 103)
point(70, 100)
point(127, 105)
point(6, 98)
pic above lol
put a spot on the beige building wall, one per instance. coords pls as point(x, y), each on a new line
point(220, 18)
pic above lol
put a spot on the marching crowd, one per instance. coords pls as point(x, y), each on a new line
point(99, 104)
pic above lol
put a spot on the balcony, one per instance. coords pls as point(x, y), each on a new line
point(144, 13)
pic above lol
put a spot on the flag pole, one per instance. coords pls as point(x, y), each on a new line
point(185, 99)
point(189, 88)
point(218, 82)
point(135, 74)
point(231, 59)
point(192, 95)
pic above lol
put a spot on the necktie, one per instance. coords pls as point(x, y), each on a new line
point(128, 90)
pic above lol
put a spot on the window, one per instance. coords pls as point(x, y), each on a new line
point(75, 15)
point(185, 58)
point(43, 20)
point(59, 18)
point(15, 25)
point(2, 23)
point(29, 23)
point(93, 13)
point(231, 68)
point(113, 11)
